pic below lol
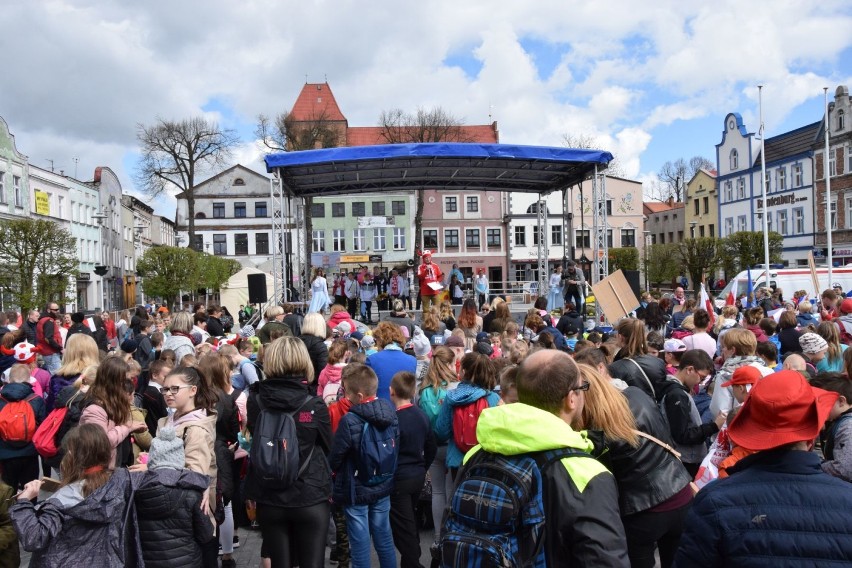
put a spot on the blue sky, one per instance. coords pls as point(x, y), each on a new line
point(650, 81)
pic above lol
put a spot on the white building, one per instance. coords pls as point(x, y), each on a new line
point(84, 203)
point(163, 231)
point(14, 177)
point(789, 179)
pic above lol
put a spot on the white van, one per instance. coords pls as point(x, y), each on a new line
point(789, 280)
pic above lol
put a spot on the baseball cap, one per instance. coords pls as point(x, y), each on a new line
point(482, 336)
point(846, 306)
point(745, 375)
point(437, 339)
point(674, 346)
point(454, 341)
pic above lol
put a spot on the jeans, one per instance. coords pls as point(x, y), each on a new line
point(364, 522)
point(306, 526)
point(406, 493)
point(352, 306)
point(366, 310)
point(648, 530)
point(52, 363)
point(442, 487)
point(575, 298)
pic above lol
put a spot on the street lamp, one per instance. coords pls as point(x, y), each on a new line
point(692, 228)
point(647, 235)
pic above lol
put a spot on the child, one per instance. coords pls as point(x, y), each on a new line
point(417, 448)
point(769, 353)
point(139, 441)
point(152, 399)
point(770, 327)
point(157, 340)
point(814, 348)
point(656, 344)
point(169, 503)
point(368, 345)
point(496, 346)
point(328, 384)
point(571, 332)
point(508, 384)
point(81, 523)
point(18, 457)
point(838, 444)
point(674, 350)
point(367, 507)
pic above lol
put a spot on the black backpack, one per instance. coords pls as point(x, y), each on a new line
point(274, 450)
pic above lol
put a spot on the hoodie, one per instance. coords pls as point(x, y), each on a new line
point(583, 526)
point(338, 317)
point(331, 374)
point(348, 489)
point(758, 333)
point(723, 398)
point(804, 320)
point(464, 394)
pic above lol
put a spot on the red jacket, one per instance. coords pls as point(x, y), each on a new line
point(338, 317)
point(337, 411)
point(52, 343)
point(428, 273)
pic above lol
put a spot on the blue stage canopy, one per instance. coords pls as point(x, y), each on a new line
point(471, 167)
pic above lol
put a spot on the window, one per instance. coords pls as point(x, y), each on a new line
point(399, 237)
point(219, 210)
point(583, 238)
point(769, 226)
point(556, 235)
point(378, 237)
point(832, 162)
point(849, 212)
point(833, 215)
point(2, 186)
point(317, 210)
point(196, 244)
point(609, 238)
point(241, 244)
point(741, 223)
point(359, 239)
point(741, 188)
point(697, 207)
point(319, 241)
point(338, 210)
point(260, 209)
point(520, 236)
point(220, 245)
point(493, 238)
point(398, 207)
point(782, 221)
point(239, 181)
point(430, 238)
point(359, 209)
point(451, 238)
point(451, 204)
point(60, 206)
point(841, 120)
point(628, 237)
point(261, 243)
point(609, 207)
point(379, 208)
point(471, 238)
point(19, 196)
point(239, 209)
point(706, 201)
point(729, 191)
point(338, 240)
point(798, 221)
point(848, 169)
point(781, 180)
point(701, 231)
point(797, 175)
point(472, 203)
point(735, 159)
point(537, 234)
point(712, 230)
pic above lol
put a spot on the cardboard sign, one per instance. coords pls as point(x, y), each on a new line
point(615, 297)
point(812, 266)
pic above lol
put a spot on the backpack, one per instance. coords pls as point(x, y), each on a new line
point(430, 402)
point(274, 451)
point(331, 392)
point(845, 333)
point(54, 428)
point(376, 461)
point(680, 333)
point(17, 421)
point(507, 528)
point(465, 418)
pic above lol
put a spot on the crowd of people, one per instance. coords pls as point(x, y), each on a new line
point(681, 437)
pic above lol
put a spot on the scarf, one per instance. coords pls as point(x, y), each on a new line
point(193, 338)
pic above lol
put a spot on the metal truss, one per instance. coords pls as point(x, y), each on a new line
point(600, 249)
point(541, 227)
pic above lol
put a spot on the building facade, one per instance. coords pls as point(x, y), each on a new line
point(84, 206)
point(110, 269)
point(789, 180)
point(14, 177)
point(665, 221)
point(163, 231)
point(701, 210)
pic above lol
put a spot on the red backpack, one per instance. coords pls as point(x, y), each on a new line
point(17, 421)
point(45, 436)
point(465, 418)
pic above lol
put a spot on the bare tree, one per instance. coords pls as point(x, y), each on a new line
point(176, 153)
point(425, 125)
point(673, 177)
point(588, 142)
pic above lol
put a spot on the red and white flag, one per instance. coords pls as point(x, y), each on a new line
point(708, 305)
point(732, 298)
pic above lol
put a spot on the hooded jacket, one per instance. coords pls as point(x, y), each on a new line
point(804, 320)
point(317, 351)
point(171, 524)
point(10, 553)
point(627, 371)
point(71, 530)
point(570, 320)
point(723, 398)
point(687, 431)
point(464, 394)
point(777, 508)
point(14, 392)
point(330, 374)
point(313, 429)
point(264, 332)
point(758, 333)
point(181, 345)
point(55, 386)
point(197, 429)
point(583, 526)
point(348, 490)
point(340, 316)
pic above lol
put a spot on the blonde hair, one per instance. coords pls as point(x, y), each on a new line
point(447, 310)
point(828, 331)
point(272, 312)
point(87, 377)
point(742, 341)
point(133, 366)
point(441, 369)
point(288, 356)
point(314, 324)
point(19, 373)
point(431, 322)
point(80, 352)
point(805, 307)
point(728, 312)
point(606, 409)
point(182, 322)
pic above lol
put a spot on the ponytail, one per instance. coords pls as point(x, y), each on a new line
point(205, 395)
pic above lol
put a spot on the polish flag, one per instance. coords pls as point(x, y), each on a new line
point(708, 305)
point(732, 299)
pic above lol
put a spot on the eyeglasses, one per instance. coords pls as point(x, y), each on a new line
point(584, 386)
point(174, 390)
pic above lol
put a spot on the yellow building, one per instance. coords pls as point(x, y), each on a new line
point(702, 205)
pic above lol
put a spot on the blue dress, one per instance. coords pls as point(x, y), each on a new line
point(555, 300)
point(319, 295)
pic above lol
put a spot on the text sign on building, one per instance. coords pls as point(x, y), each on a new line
point(375, 222)
point(42, 203)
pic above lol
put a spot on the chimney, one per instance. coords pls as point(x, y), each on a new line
point(670, 200)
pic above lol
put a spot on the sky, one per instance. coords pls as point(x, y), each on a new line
point(650, 81)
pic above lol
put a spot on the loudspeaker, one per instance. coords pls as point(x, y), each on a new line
point(256, 288)
point(632, 277)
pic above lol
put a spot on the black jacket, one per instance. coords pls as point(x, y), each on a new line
point(789, 339)
point(571, 319)
point(215, 327)
point(655, 370)
point(675, 399)
point(318, 353)
point(648, 474)
point(227, 428)
point(75, 329)
point(313, 427)
point(171, 524)
point(154, 405)
point(294, 321)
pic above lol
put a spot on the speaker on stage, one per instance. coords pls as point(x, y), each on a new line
point(632, 277)
point(257, 288)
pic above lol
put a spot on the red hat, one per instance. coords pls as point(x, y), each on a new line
point(782, 409)
point(846, 306)
point(25, 352)
point(427, 252)
point(745, 375)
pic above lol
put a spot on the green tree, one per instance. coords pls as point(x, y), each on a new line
point(168, 270)
point(37, 259)
point(661, 263)
point(213, 271)
point(626, 258)
point(697, 257)
point(743, 249)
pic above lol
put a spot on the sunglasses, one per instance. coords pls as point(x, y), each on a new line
point(174, 390)
point(584, 386)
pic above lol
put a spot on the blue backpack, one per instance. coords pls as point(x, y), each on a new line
point(376, 462)
point(496, 516)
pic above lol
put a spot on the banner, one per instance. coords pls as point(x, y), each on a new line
point(42, 203)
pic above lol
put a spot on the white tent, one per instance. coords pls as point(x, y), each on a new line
point(235, 291)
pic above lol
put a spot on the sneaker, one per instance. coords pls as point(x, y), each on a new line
point(229, 563)
point(220, 550)
point(236, 541)
point(332, 558)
